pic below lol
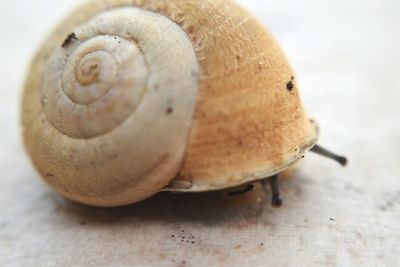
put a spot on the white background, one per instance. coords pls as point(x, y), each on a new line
point(346, 54)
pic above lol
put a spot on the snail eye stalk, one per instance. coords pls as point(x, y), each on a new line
point(276, 200)
point(326, 153)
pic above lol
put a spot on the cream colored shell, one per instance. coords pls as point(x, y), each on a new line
point(144, 96)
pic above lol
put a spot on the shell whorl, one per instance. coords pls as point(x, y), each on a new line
point(119, 99)
point(98, 81)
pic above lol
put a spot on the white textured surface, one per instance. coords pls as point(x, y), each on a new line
point(347, 58)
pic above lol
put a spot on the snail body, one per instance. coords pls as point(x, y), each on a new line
point(127, 98)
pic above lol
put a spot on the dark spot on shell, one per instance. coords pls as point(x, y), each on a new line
point(50, 174)
point(190, 30)
point(292, 78)
point(170, 110)
point(290, 86)
point(238, 57)
point(69, 40)
point(82, 223)
point(332, 219)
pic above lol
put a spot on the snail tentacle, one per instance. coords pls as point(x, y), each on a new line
point(326, 153)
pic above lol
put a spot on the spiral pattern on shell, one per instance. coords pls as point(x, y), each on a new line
point(119, 95)
point(111, 64)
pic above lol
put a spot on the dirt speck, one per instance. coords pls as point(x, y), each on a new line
point(390, 199)
point(69, 40)
point(290, 85)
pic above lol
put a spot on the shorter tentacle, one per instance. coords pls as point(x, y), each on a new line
point(276, 200)
point(248, 188)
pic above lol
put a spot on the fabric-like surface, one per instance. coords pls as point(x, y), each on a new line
point(346, 57)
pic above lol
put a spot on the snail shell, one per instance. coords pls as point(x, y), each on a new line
point(128, 98)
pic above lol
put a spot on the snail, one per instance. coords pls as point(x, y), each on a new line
point(127, 98)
